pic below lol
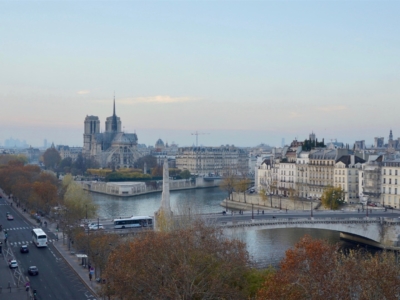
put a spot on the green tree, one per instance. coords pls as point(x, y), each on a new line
point(185, 174)
point(51, 158)
point(332, 197)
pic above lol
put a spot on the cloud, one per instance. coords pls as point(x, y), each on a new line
point(84, 92)
point(294, 114)
point(332, 108)
point(156, 99)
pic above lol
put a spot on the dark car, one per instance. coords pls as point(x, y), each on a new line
point(24, 249)
point(389, 207)
point(33, 270)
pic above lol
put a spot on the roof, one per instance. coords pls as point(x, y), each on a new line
point(346, 159)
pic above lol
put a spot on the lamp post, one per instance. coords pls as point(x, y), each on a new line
point(280, 202)
point(311, 208)
point(86, 211)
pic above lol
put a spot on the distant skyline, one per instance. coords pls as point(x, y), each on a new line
point(244, 72)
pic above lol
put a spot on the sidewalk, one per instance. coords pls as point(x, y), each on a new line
point(69, 256)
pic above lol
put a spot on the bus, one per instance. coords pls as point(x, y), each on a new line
point(39, 237)
point(133, 222)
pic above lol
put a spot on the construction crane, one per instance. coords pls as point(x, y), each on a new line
point(197, 136)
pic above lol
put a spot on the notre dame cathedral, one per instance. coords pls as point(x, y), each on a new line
point(111, 148)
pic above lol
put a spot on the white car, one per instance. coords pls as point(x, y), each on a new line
point(96, 227)
point(13, 264)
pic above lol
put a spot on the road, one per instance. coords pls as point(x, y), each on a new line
point(56, 280)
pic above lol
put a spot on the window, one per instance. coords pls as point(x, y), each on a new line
point(383, 190)
point(390, 180)
point(395, 181)
point(390, 190)
point(395, 172)
point(384, 180)
point(390, 172)
point(395, 191)
point(384, 171)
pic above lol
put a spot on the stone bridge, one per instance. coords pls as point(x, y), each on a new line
point(379, 232)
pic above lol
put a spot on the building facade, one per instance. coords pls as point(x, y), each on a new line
point(212, 160)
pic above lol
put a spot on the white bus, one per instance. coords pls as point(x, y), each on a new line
point(39, 237)
point(139, 221)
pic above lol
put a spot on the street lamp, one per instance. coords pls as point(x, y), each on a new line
point(280, 202)
point(311, 208)
point(86, 211)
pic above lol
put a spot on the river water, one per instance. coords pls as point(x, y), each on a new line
point(266, 247)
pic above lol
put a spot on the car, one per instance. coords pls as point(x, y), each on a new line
point(24, 249)
point(10, 218)
point(13, 264)
point(33, 270)
point(389, 207)
point(97, 226)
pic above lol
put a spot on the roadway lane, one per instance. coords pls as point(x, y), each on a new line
point(56, 280)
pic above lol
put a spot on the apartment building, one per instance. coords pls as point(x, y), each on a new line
point(212, 160)
point(391, 182)
point(346, 176)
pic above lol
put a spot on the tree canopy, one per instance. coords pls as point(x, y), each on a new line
point(314, 269)
point(332, 197)
point(196, 262)
point(51, 158)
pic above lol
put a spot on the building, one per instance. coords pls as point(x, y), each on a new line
point(111, 148)
point(390, 182)
point(66, 151)
point(347, 168)
point(212, 160)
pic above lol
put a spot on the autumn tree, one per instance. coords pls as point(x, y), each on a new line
point(197, 262)
point(241, 186)
point(314, 269)
point(51, 158)
point(332, 197)
point(157, 171)
point(76, 203)
point(228, 183)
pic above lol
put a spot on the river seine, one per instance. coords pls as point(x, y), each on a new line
point(266, 247)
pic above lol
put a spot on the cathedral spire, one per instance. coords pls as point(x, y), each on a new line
point(114, 125)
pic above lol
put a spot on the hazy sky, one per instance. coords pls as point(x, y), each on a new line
point(244, 72)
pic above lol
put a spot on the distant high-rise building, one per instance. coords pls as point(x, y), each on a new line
point(379, 142)
point(312, 137)
point(45, 144)
point(283, 143)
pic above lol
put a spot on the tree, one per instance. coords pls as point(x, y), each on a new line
point(150, 160)
point(332, 197)
point(314, 269)
point(197, 262)
point(65, 165)
point(51, 158)
point(185, 174)
point(228, 183)
point(241, 187)
point(157, 171)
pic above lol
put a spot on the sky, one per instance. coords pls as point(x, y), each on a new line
point(236, 72)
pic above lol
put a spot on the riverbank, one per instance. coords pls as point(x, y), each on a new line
point(239, 201)
point(131, 189)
